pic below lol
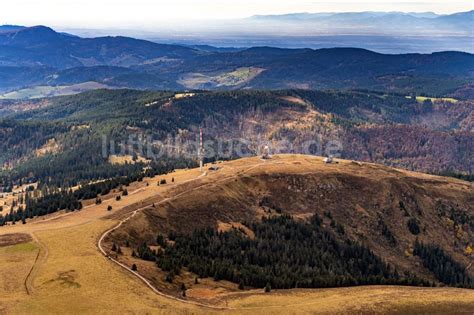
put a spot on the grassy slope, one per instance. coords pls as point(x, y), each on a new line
point(356, 300)
point(231, 195)
point(15, 263)
point(75, 277)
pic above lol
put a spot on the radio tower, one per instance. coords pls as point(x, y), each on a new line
point(201, 150)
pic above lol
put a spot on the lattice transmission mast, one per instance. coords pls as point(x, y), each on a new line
point(201, 151)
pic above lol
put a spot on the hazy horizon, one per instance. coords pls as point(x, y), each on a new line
point(207, 22)
point(147, 14)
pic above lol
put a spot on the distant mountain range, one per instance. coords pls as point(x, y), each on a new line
point(39, 56)
point(395, 23)
point(385, 32)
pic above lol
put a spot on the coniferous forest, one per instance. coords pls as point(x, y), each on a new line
point(372, 126)
point(284, 253)
point(55, 199)
point(444, 267)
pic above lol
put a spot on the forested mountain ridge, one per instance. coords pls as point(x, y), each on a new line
point(40, 45)
point(62, 143)
point(39, 56)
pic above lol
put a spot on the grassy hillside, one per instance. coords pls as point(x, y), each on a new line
point(65, 272)
point(414, 223)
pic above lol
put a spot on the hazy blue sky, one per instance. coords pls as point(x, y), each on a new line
point(145, 13)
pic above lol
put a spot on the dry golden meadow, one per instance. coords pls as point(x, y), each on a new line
point(59, 269)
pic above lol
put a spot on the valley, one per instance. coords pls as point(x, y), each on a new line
point(71, 273)
point(39, 61)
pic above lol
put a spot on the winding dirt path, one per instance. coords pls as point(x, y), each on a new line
point(143, 279)
point(41, 258)
point(44, 225)
point(88, 214)
point(136, 274)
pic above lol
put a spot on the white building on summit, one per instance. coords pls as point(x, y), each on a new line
point(266, 153)
point(328, 159)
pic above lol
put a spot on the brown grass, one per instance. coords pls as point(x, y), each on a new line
point(15, 264)
point(302, 186)
point(74, 277)
point(294, 99)
point(14, 238)
point(126, 159)
point(356, 300)
point(223, 227)
point(50, 147)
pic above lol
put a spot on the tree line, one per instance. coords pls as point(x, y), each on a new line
point(56, 199)
point(443, 266)
point(284, 254)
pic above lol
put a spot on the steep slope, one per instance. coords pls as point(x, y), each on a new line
point(387, 210)
point(70, 274)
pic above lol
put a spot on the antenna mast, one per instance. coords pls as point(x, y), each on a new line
point(201, 151)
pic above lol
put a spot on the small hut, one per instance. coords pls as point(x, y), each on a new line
point(266, 153)
point(328, 159)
